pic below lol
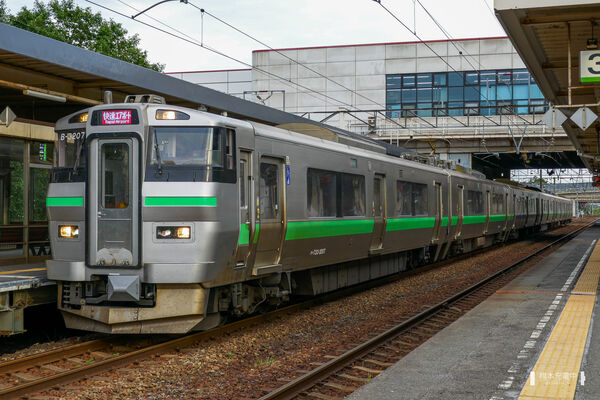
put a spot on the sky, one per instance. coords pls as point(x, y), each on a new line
point(286, 24)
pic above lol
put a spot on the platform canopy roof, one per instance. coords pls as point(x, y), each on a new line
point(38, 63)
point(541, 31)
point(78, 78)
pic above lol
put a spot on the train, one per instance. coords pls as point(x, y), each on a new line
point(165, 219)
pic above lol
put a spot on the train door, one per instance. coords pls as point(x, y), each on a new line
point(113, 202)
point(270, 226)
point(506, 211)
point(514, 211)
point(488, 204)
point(538, 211)
point(379, 213)
point(439, 211)
point(245, 183)
point(460, 210)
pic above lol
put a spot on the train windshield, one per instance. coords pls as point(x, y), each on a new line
point(71, 159)
point(70, 149)
point(186, 146)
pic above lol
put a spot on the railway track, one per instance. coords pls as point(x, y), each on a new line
point(345, 373)
point(52, 369)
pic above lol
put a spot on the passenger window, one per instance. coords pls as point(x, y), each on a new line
point(115, 177)
point(377, 206)
point(217, 152)
point(353, 195)
point(420, 199)
point(497, 204)
point(269, 193)
point(403, 198)
point(474, 202)
point(243, 184)
point(411, 198)
point(229, 148)
point(321, 193)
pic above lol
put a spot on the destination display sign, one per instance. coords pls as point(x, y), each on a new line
point(116, 117)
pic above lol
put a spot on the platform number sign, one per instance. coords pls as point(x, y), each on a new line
point(589, 62)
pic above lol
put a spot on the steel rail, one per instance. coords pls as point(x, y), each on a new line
point(308, 380)
point(97, 367)
point(51, 356)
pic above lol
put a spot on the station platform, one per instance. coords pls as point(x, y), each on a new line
point(533, 339)
point(22, 286)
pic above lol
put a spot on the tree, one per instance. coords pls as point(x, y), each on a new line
point(63, 20)
point(3, 12)
point(536, 181)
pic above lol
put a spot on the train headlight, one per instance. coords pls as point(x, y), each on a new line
point(183, 232)
point(68, 231)
point(173, 232)
point(171, 115)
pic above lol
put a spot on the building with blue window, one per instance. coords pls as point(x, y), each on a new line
point(460, 93)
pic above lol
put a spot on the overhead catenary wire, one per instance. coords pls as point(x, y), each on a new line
point(215, 51)
point(204, 11)
point(432, 50)
point(481, 67)
point(290, 58)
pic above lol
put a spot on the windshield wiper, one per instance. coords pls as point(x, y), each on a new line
point(78, 158)
point(157, 151)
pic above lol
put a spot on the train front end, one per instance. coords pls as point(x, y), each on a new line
point(137, 210)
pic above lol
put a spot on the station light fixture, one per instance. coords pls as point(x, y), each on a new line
point(68, 231)
point(45, 96)
point(173, 232)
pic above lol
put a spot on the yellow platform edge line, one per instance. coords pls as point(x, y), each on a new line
point(588, 281)
point(14, 271)
point(556, 371)
point(555, 374)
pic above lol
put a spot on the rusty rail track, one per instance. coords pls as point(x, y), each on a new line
point(343, 374)
point(49, 370)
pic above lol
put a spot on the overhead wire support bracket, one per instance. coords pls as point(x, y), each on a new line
point(154, 5)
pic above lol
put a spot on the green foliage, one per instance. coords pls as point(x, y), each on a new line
point(536, 181)
point(63, 20)
point(4, 12)
point(15, 201)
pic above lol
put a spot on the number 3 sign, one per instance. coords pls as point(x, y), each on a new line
point(589, 66)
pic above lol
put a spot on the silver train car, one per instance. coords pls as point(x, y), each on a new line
point(165, 219)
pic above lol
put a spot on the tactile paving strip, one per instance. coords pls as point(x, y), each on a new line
point(556, 371)
point(588, 281)
point(555, 374)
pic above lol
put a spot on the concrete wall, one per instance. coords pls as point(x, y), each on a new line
point(234, 82)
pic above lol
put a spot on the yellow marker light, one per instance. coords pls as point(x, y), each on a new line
point(183, 232)
point(68, 231)
point(83, 117)
point(171, 115)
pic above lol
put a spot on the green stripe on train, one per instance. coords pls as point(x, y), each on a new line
point(497, 217)
point(64, 201)
point(402, 224)
point(244, 238)
point(473, 219)
point(317, 229)
point(180, 201)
